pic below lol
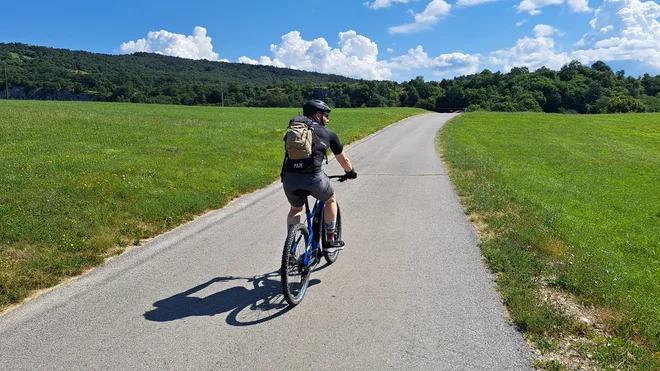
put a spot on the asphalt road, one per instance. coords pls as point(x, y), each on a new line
point(409, 292)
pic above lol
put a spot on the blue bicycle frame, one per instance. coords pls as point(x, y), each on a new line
point(311, 257)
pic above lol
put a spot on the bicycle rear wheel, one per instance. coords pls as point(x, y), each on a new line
point(331, 257)
point(294, 272)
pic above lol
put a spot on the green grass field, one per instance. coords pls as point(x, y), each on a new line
point(81, 181)
point(572, 203)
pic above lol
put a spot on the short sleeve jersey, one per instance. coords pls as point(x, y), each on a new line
point(324, 139)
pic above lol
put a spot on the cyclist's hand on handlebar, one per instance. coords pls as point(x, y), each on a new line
point(351, 174)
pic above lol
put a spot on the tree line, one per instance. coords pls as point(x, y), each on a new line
point(35, 72)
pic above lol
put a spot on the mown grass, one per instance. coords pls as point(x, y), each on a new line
point(571, 203)
point(81, 181)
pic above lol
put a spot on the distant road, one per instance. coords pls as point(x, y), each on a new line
point(409, 292)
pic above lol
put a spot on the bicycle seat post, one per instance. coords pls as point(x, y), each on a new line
point(307, 205)
point(304, 194)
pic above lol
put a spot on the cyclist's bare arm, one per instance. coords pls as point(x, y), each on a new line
point(344, 161)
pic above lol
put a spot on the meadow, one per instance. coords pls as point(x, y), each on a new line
point(570, 205)
point(81, 181)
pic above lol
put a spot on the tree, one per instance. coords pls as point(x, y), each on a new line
point(413, 97)
point(651, 84)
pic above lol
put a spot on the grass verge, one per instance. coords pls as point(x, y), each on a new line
point(568, 212)
point(81, 181)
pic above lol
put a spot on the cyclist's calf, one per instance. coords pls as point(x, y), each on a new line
point(330, 216)
point(294, 216)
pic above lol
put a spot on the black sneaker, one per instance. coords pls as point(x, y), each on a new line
point(332, 246)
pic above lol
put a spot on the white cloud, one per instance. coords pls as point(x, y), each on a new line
point(195, 46)
point(378, 4)
point(357, 56)
point(518, 24)
point(424, 20)
point(542, 30)
point(533, 6)
point(532, 52)
point(623, 30)
point(579, 6)
point(472, 2)
point(266, 61)
point(457, 63)
point(620, 30)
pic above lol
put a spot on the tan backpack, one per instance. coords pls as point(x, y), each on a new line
point(298, 139)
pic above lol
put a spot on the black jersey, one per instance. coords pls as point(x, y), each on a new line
point(323, 140)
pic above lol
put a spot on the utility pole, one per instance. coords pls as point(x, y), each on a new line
point(222, 94)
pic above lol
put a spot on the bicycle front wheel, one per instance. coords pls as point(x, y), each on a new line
point(294, 272)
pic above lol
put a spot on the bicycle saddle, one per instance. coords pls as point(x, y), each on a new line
point(302, 192)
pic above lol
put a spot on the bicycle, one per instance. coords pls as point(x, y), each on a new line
point(304, 246)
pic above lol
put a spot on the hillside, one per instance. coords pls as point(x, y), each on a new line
point(98, 75)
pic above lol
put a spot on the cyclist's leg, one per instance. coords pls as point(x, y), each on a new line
point(330, 212)
point(324, 191)
point(294, 216)
point(290, 183)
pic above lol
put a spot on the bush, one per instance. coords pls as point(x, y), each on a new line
point(623, 104)
point(504, 107)
point(528, 104)
point(652, 103)
point(475, 107)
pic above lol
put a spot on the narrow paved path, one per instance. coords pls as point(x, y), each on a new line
point(409, 292)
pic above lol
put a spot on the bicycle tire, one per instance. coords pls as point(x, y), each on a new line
point(331, 257)
point(292, 255)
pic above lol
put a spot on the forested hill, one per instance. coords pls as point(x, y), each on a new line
point(35, 72)
point(34, 67)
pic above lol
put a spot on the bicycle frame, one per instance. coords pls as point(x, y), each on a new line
point(311, 257)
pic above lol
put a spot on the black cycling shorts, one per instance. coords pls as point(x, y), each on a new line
point(319, 184)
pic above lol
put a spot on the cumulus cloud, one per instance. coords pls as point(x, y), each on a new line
point(533, 6)
point(379, 4)
point(579, 6)
point(541, 30)
point(462, 3)
point(195, 46)
point(532, 52)
point(623, 30)
point(457, 63)
point(518, 24)
point(356, 56)
point(424, 20)
point(266, 61)
point(620, 30)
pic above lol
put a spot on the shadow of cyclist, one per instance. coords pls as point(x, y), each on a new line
point(248, 306)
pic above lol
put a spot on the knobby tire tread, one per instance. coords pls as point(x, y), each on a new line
point(289, 296)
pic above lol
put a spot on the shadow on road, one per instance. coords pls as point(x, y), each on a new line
point(261, 302)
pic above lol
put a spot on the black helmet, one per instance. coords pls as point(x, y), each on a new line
point(314, 105)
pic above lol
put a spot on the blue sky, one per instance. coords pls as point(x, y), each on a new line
point(377, 39)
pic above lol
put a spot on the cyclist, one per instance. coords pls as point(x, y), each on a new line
point(307, 174)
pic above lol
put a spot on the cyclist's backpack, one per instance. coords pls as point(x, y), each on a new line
point(298, 139)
